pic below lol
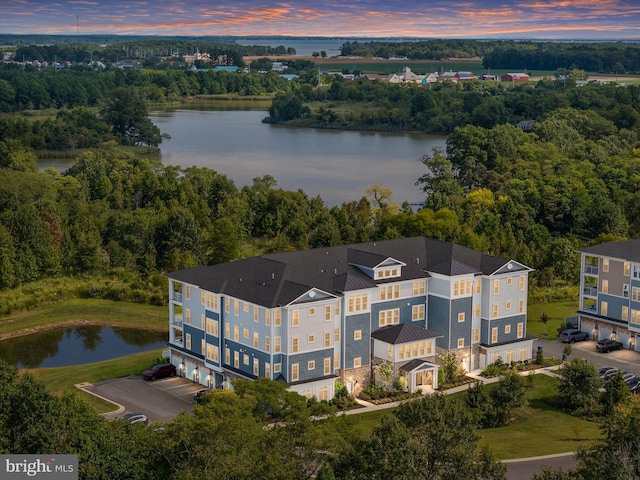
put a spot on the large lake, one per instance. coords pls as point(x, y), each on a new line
point(338, 166)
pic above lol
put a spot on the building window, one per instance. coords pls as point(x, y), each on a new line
point(256, 367)
point(635, 294)
point(467, 289)
point(294, 372)
point(336, 334)
point(267, 344)
point(358, 303)
point(390, 352)
point(227, 331)
point(461, 343)
point(226, 304)
point(212, 327)
point(456, 288)
point(311, 365)
point(267, 370)
point(476, 335)
point(245, 306)
point(357, 362)
point(478, 285)
point(312, 311)
point(295, 318)
point(327, 366)
point(496, 356)
point(245, 332)
point(417, 312)
point(188, 292)
point(389, 292)
point(509, 281)
point(429, 347)
point(520, 306)
point(336, 360)
point(256, 340)
point(188, 341)
point(323, 393)
point(605, 264)
point(267, 317)
point(336, 308)
point(327, 313)
point(236, 359)
point(236, 333)
point(202, 321)
point(422, 349)
point(625, 313)
point(520, 330)
point(603, 308)
point(203, 346)
point(311, 338)
point(507, 305)
point(476, 310)
point(461, 317)
point(496, 287)
point(495, 311)
point(276, 318)
point(511, 356)
point(627, 269)
point(276, 368)
point(245, 359)
point(521, 283)
point(227, 356)
point(236, 308)
point(187, 316)
point(327, 339)
point(202, 297)
point(605, 286)
point(523, 354)
point(418, 287)
point(401, 352)
point(357, 335)
point(276, 348)
point(635, 316)
point(389, 317)
point(494, 334)
point(507, 329)
point(255, 314)
point(294, 345)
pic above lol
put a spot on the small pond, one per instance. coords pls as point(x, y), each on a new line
point(61, 347)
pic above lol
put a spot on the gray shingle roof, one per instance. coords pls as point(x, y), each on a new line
point(277, 279)
point(629, 250)
point(415, 364)
point(403, 333)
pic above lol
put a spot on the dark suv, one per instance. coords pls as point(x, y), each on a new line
point(605, 345)
point(573, 335)
point(159, 371)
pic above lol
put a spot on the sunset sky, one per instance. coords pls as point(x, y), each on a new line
point(562, 19)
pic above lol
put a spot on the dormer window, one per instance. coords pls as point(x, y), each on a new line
point(382, 273)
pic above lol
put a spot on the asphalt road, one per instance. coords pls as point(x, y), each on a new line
point(160, 400)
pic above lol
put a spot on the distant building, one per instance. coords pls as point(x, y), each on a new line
point(526, 125)
point(465, 76)
point(486, 76)
point(514, 77)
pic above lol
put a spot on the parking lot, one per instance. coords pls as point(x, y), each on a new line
point(160, 400)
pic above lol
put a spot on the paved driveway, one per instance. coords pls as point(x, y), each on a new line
point(160, 400)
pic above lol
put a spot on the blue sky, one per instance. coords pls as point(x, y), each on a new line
point(562, 19)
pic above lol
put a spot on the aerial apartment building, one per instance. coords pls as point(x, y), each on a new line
point(311, 317)
point(610, 292)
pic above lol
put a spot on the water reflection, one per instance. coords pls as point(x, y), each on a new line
point(78, 345)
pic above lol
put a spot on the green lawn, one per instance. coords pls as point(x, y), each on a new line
point(538, 429)
point(557, 312)
point(93, 311)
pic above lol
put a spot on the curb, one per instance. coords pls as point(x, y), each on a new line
point(541, 457)
point(85, 388)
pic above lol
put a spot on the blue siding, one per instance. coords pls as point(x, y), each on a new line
point(460, 329)
point(360, 348)
point(487, 325)
point(303, 359)
point(438, 319)
point(403, 305)
point(197, 336)
point(614, 306)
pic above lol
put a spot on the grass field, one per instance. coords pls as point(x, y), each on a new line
point(538, 429)
point(557, 312)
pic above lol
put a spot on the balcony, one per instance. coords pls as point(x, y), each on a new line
point(176, 321)
point(591, 269)
point(590, 291)
point(177, 341)
point(176, 297)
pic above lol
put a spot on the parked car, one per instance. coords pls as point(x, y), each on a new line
point(573, 335)
point(634, 385)
point(606, 345)
point(159, 371)
point(198, 397)
point(134, 418)
point(607, 372)
point(627, 376)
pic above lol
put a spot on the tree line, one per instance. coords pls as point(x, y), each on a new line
point(440, 108)
point(607, 57)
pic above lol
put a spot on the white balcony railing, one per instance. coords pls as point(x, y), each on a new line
point(177, 341)
point(591, 291)
point(591, 269)
point(177, 321)
point(176, 297)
